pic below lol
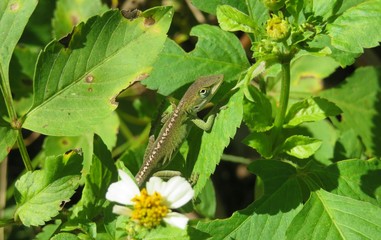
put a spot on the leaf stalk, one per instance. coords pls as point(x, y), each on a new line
point(14, 121)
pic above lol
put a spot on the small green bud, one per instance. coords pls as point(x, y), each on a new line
point(277, 28)
point(274, 5)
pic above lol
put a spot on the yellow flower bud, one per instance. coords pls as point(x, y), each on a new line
point(277, 28)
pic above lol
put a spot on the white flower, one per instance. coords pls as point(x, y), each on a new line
point(151, 205)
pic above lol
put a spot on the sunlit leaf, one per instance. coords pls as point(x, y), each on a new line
point(231, 19)
point(357, 27)
point(216, 52)
point(39, 194)
point(270, 216)
point(358, 97)
point(300, 146)
point(214, 142)
point(76, 86)
point(330, 216)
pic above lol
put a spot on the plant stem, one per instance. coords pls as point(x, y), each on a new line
point(23, 151)
point(3, 190)
point(14, 121)
point(235, 159)
point(283, 100)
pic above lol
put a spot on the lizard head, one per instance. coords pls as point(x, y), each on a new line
point(201, 91)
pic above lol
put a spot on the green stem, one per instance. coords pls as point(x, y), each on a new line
point(235, 159)
point(283, 100)
point(15, 123)
point(23, 151)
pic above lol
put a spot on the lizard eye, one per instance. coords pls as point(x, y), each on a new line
point(203, 92)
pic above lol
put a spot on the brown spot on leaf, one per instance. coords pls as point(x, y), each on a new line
point(113, 101)
point(89, 78)
point(74, 19)
point(14, 7)
point(90, 89)
point(65, 142)
point(141, 77)
point(149, 21)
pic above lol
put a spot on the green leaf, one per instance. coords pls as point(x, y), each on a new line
point(39, 30)
point(8, 139)
point(258, 12)
point(300, 146)
point(21, 71)
point(294, 7)
point(322, 41)
point(167, 232)
point(48, 231)
point(14, 15)
point(361, 108)
point(102, 174)
point(54, 146)
point(309, 110)
point(108, 130)
point(348, 145)
point(65, 236)
point(327, 133)
point(270, 216)
point(357, 27)
point(210, 6)
point(330, 216)
point(69, 13)
point(224, 128)
point(217, 51)
point(257, 110)
point(325, 9)
point(39, 194)
point(206, 203)
point(358, 179)
point(260, 141)
point(308, 73)
point(76, 86)
point(231, 19)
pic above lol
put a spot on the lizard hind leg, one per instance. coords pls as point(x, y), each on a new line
point(166, 174)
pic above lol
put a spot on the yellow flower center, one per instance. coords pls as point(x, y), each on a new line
point(149, 210)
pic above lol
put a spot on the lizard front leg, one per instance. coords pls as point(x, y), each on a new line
point(204, 125)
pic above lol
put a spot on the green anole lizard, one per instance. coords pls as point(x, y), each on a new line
point(177, 125)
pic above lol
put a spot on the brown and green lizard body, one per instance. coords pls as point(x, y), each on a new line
point(177, 125)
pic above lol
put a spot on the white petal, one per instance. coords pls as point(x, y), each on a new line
point(155, 184)
point(177, 192)
point(121, 210)
point(122, 191)
point(176, 219)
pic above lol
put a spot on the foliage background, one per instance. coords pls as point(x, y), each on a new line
point(328, 192)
